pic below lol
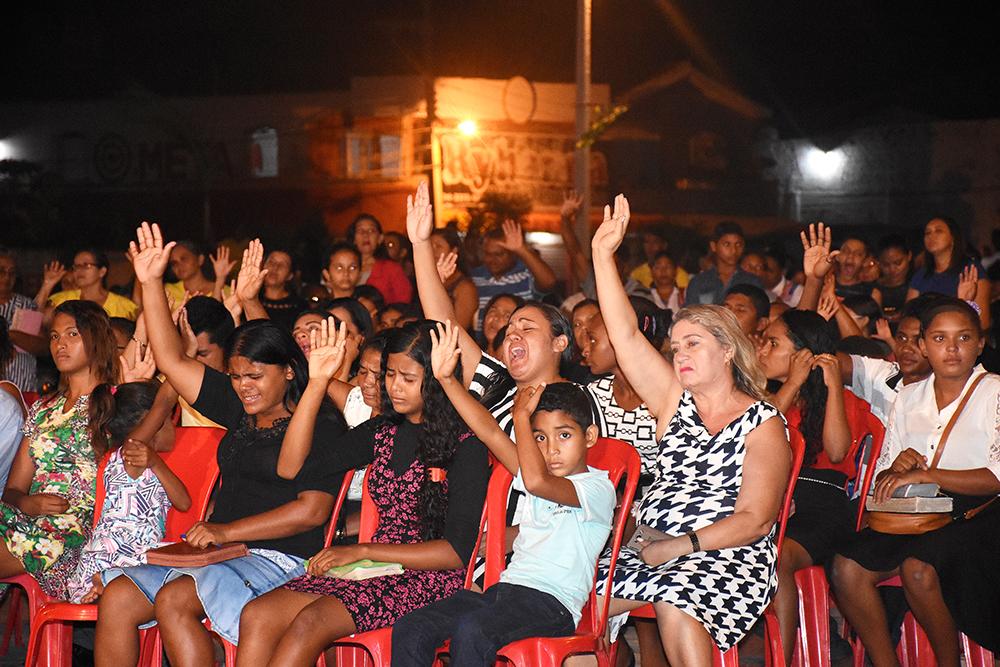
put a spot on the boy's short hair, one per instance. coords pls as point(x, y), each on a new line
point(757, 296)
point(207, 315)
point(569, 398)
point(727, 227)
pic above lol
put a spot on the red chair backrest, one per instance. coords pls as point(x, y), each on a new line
point(101, 491)
point(369, 515)
point(877, 431)
point(193, 461)
point(338, 506)
point(618, 459)
point(495, 514)
point(798, 447)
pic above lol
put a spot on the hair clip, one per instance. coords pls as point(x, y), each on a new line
point(975, 307)
point(438, 474)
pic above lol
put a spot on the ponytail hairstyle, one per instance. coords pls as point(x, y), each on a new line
point(94, 326)
point(132, 401)
point(441, 428)
point(807, 329)
point(501, 382)
point(652, 320)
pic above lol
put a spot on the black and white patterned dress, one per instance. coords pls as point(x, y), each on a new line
point(698, 478)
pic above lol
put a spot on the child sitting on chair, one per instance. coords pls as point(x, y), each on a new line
point(567, 519)
point(139, 489)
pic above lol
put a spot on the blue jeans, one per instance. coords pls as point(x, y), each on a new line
point(479, 625)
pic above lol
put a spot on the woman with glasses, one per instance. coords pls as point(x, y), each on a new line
point(89, 271)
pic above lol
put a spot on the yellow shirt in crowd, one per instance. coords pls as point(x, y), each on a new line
point(114, 305)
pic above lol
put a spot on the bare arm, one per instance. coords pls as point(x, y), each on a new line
point(836, 433)
point(22, 472)
point(309, 510)
point(430, 555)
point(327, 353)
point(768, 463)
point(35, 345)
point(466, 303)
point(538, 481)
point(433, 296)
point(579, 260)
point(150, 261)
point(651, 375)
point(545, 278)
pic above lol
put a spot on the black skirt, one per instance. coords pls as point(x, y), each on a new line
point(824, 516)
point(966, 556)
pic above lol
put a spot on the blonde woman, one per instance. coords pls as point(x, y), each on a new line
point(711, 578)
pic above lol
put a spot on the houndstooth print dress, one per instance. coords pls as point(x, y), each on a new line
point(698, 478)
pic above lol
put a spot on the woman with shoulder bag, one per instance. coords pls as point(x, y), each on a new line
point(944, 430)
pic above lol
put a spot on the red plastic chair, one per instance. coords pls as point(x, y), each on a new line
point(152, 649)
point(773, 653)
point(364, 649)
point(193, 461)
point(58, 640)
point(618, 459)
point(813, 640)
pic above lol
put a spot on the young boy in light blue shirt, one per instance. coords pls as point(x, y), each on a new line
point(567, 518)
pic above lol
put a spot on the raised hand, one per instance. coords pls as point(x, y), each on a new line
point(221, 263)
point(446, 265)
point(444, 350)
point(513, 238)
point(611, 233)
point(232, 302)
point(150, 255)
point(140, 367)
point(571, 205)
point(187, 334)
point(53, 273)
point(251, 276)
point(526, 400)
point(968, 282)
point(828, 306)
point(817, 258)
point(328, 345)
point(419, 215)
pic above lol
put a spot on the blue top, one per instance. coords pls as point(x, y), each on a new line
point(556, 549)
point(706, 287)
point(945, 282)
point(11, 422)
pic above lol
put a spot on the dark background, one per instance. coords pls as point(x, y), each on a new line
point(820, 66)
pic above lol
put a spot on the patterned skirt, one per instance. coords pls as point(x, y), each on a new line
point(377, 603)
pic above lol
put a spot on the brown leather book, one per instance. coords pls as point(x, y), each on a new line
point(182, 554)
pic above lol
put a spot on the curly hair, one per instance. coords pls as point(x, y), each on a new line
point(438, 437)
point(807, 329)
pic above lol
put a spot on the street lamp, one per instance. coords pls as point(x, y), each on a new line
point(468, 128)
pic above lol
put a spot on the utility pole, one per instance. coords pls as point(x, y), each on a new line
point(581, 159)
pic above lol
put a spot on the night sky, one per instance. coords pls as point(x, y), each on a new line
point(821, 67)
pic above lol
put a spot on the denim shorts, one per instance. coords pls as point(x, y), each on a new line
point(223, 588)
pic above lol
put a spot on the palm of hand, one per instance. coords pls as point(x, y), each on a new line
point(150, 263)
point(419, 215)
point(443, 361)
point(324, 361)
point(815, 261)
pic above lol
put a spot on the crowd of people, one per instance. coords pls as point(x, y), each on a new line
point(420, 367)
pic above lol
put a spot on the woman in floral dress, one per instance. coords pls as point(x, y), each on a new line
point(46, 513)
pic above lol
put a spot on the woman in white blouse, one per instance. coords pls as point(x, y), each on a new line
point(949, 575)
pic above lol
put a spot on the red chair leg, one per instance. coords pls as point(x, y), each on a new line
point(814, 616)
point(914, 645)
point(14, 620)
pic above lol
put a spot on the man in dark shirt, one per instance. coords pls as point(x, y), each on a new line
point(709, 287)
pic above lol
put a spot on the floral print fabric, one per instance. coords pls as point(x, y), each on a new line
point(49, 546)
